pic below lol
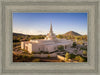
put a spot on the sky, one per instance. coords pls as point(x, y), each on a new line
point(39, 23)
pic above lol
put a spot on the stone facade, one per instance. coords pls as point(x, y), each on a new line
point(49, 44)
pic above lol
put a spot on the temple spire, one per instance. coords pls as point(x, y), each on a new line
point(51, 28)
point(51, 35)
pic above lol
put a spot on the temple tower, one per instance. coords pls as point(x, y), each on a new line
point(50, 35)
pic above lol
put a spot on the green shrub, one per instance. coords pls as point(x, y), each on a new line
point(74, 44)
point(33, 52)
point(84, 52)
point(67, 56)
point(60, 47)
point(72, 56)
point(79, 58)
point(48, 55)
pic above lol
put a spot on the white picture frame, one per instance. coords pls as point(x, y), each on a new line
point(7, 66)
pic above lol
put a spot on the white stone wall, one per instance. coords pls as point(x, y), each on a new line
point(44, 45)
point(22, 45)
point(53, 55)
point(35, 48)
point(29, 47)
point(50, 48)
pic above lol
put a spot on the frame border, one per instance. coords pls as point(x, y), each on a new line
point(15, 3)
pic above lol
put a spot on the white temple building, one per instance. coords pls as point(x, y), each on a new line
point(50, 43)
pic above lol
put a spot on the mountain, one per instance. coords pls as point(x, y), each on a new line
point(17, 34)
point(72, 33)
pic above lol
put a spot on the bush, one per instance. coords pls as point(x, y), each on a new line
point(67, 55)
point(72, 56)
point(48, 55)
point(60, 47)
point(75, 51)
point(24, 56)
point(25, 51)
point(32, 52)
point(85, 59)
point(16, 40)
point(83, 48)
point(74, 44)
point(79, 58)
point(84, 52)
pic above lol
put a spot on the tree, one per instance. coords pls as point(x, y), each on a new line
point(60, 47)
point(48, 55)
point(72, 56)
point(84, 52)
point(74, 44)
point(60, 36)
point(79, 58)
point(75, 51)
point(67, 56)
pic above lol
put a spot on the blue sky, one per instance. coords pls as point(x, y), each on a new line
point(39, 23)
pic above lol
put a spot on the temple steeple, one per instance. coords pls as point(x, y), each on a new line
point(51, 31)
point(50, 35)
